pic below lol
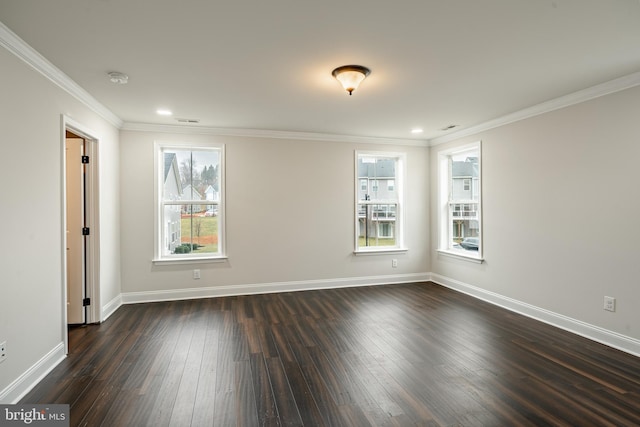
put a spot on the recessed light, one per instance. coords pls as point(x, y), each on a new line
point(416, 130)
point(164, 112)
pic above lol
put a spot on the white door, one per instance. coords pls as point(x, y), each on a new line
point(75, 223)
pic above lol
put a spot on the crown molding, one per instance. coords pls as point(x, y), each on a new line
point(616, 85)
point(258, 133)
point(14, 44)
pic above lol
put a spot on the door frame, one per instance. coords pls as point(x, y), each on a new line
point(92, 242)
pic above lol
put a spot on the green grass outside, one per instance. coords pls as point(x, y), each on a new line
point(208, 237)
point(374, 242)
point(209, 234)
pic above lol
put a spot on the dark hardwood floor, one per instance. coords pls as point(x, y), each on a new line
point(401, 355)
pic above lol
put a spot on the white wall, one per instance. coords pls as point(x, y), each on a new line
point(561, 207)
point(290, 207)
point(31, 315)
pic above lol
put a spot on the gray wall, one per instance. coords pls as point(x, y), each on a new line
point(31, 291)
point(560, 213)
point(290, 215)
point(560, 207)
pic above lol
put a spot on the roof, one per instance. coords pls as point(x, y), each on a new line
point(168, 159)
point(213, 187)
point(194, 194)
point(382, 168)
point(467, 168)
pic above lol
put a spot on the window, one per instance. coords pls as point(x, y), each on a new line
point(379, 202)
point(190, 202)
point(460, 222)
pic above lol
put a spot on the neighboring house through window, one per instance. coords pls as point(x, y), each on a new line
point(379, 201)
point(460, 220)
point(171, 190)
point(189, 213)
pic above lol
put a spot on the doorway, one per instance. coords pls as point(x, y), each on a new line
point(76, 264)
point(81, 291)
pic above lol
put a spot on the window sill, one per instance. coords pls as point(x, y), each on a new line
point(177, 261)
point(380, 251)
point(461, 256)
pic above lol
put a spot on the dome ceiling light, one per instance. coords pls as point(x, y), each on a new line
point(350, 76)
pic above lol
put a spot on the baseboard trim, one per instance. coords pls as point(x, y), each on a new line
point(586, 330)
point(30, 378)
point(109, 308)
point(266, 288)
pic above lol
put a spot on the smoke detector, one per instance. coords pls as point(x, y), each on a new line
point(118, 78)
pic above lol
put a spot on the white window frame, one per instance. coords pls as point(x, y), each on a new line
point(159, 238)
point(399, 180)
point(445, 189)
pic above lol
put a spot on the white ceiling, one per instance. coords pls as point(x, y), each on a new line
point(266, 65)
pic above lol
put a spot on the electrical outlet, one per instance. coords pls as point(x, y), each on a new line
point(394, 263)
point(196, 274)
point(3, 351)
point(610, 303)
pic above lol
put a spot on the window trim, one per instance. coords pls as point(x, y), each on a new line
point(158, 257)
point(444, 191)
point(399, 180)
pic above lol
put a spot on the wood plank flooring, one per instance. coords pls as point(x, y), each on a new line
point(400, 355)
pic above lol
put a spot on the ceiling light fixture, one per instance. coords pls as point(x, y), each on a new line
point(164, 112)
point(350, 76)
point(416, 130)
point(118, 78)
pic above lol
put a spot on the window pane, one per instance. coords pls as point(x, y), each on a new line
point(377, 176)
point(378, 200)
point(172, 228)
point(190, 208)
point(464, 201)
point(377, 225)
point(376, 234)
point(190, 230)
point(191, 175)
